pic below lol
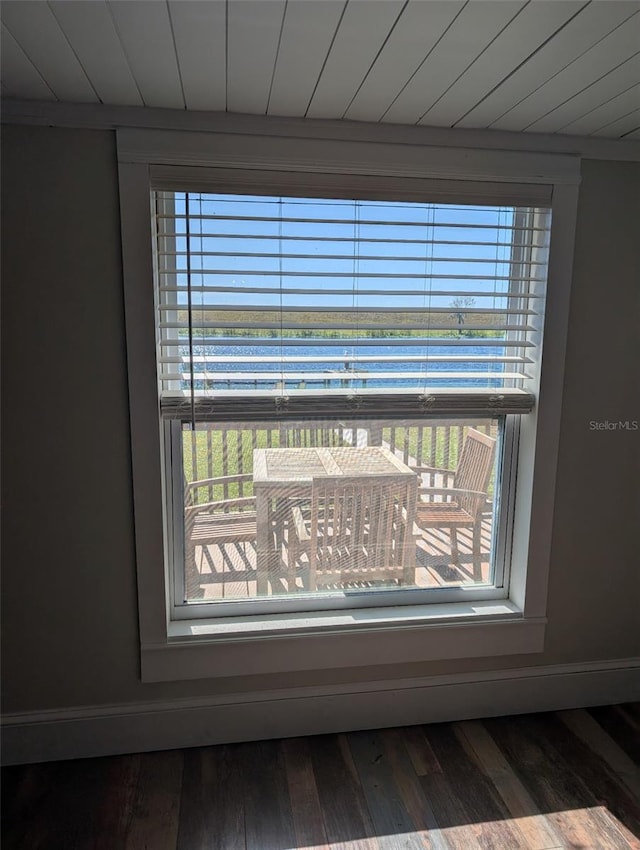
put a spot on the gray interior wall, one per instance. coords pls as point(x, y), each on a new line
point(69, 592)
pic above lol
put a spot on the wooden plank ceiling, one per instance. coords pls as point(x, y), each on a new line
point(552, 66)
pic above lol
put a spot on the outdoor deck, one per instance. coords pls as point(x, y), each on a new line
point(228, 571)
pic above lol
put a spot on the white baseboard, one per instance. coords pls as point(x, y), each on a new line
point(138, 727)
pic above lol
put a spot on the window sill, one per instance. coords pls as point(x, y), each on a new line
point(356, 638)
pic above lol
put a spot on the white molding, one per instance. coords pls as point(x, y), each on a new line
point(89, 731)
point(345, 157)
point(146, 436)
point(460, 606)
point(539, 441)
point(393, 642)
point(96, 116)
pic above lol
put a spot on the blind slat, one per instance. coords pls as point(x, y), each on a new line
point(363, 222)
point(360, 257)
point(387, 240)
point(354, 275)
point(353, 311)
point(363, 326)
point(289, 290)
point(341, 342)
point(362, 358)
point(352, 375)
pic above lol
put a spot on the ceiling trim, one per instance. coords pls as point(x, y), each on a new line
point(98, 116)
point(349, 157)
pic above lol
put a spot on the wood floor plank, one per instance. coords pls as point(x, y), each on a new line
point(156, 809)
point(633, 708)
point(621, 726)
point(533, 825)
point(344, 808)
point(614, 803)
point(625, 711)
point(421, 755)
point(556, 789)
point(84, 786)
point(268, 816)
point(123, 775)
point(23, 789)
point(392, 823)
point(410, 787)
point(452, 818)
point(303, 792)
point(212, 800)
point(485, 810)
point(561, 805)
point(195, 814)
point(73, 788)
point(23, 804)
point(594, 736)
point(603, 766)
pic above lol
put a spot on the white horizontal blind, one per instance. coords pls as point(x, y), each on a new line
point(316, 302)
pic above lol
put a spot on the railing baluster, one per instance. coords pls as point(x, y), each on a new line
point(434, 446)
point(225, 461)
point(446, 448)
point(406, 443)
point(194, 461)
point(208, 446)
point(240, 455)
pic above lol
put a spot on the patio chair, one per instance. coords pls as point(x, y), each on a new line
point(230, 520)
point(464, 494)
point(358, 529)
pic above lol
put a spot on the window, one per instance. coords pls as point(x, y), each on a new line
point(336, 380)
point(345, 323)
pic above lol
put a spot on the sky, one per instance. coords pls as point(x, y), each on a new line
point(434, 256)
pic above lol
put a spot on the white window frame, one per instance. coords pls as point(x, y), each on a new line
point(173, 649)
point(327, 600)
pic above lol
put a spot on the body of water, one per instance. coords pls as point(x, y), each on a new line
point(310, 365)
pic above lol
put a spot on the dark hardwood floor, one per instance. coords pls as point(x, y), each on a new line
point(558, 780)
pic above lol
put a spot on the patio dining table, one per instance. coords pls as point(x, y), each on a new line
point(282, 477)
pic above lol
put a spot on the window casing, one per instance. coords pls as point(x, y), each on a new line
point(143, 166)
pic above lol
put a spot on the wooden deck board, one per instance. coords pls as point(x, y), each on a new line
point(229, 571)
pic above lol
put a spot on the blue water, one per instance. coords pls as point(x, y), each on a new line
point(336, 373)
